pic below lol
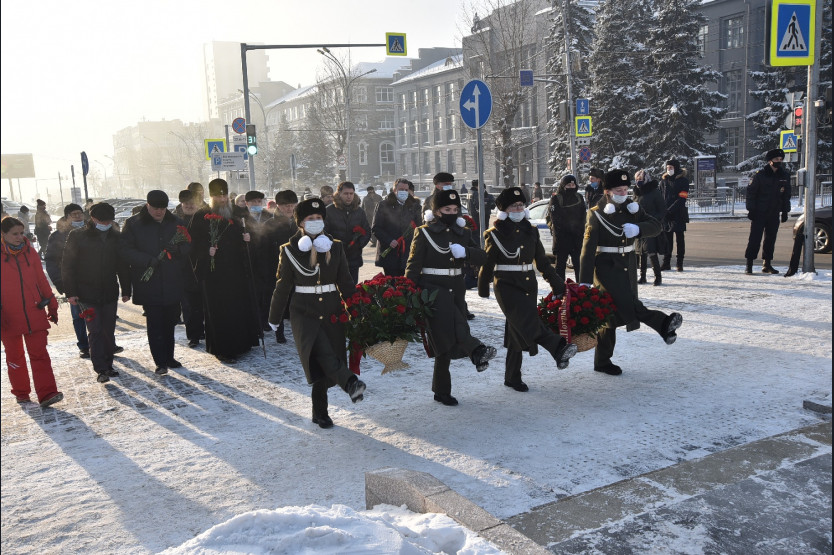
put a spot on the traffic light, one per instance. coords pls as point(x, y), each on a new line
point(251, 140)
point(797, 117)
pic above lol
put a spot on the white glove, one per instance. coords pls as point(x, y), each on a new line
point(458, 251)
point(273, 326)
point(631, 230)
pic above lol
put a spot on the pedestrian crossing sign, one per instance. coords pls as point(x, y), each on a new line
point(788, 141)
point(395, 44)
point(213, 147)
point(791, 25)
point(584, 127)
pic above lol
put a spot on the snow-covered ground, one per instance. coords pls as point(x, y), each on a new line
point(145, 463)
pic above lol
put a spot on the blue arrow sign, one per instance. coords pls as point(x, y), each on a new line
point(583, 106)
point(475, 104)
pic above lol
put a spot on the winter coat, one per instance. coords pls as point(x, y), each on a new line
point(310, 313)
point(593, 194)
point(566, 216)
point(615, 273)
point(341, 220)
point(23, 286)
point(651, 200)
point(92, 266)
point(473, 206)
point(142, 239)
point(55, 252)
point(517, 292)
point(263, 247)
point(769, 193)
point(675, 191)
point(369, 204)
point(392, 219)
point(43, 222)
point(451, 289)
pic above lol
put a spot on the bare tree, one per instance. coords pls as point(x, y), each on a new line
point(500, 45)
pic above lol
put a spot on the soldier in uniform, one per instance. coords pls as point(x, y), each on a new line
point(438, 252)
point(768, 194)
point(314, 268)
point(512, 246)
point(609, 262)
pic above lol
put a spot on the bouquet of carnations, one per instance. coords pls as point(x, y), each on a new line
point(181, 236)
point(358, 231)
point(217, 227)
point(408, 233)
point(582, 310)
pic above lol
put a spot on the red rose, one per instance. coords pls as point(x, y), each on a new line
point(577, 308)
point(343, 318)
point(354, 313)
point(584, 320)
point(571, 323)
point(401, 309)
point(333, 318)
point(586, 304)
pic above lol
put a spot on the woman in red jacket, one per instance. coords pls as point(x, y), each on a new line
point(24, 293)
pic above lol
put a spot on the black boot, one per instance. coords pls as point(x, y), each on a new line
point(656, 270)
point(319, 397)
point(749, 268)
point(670, 326)
point(768, 269)
point(667, 263)
point(355, 388)
point(791, 272)
point(679, 267)
point(481, 356)
point(643, 260)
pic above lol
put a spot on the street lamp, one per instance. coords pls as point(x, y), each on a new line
point(347, 82)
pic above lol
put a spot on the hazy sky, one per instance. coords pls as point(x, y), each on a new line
point(73, 73)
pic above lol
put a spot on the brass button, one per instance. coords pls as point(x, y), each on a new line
point(527, 278)
point(321, 299)
point(321, 317)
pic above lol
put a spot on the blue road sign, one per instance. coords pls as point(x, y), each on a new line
point(214, 146)
point(583, 126)
point(242, 148)
point(85, 164)
point(788, 141)
point(583, 106)
point(791, 32)
point(475, 104)
point(526, 77)
point(239, 125)
point(395, 44)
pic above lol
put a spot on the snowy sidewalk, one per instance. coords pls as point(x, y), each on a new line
point(145, 462)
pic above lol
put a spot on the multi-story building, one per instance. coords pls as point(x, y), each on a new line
point(224, 75)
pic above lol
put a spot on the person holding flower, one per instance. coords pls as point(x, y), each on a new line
point(314, 279)
point(438, 252)
point(346, 221)
point(396, 218)
point(608, 261)
point(512, 247)
point(155, 244)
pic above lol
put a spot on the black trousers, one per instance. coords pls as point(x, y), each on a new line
point(192, 315)
point(675, 239)
point(567, 247)
point(161, 321)
point(768, 227)
point(512, 369)
point(335, 372)
point(796, 253)
point(607, 337)
point(101, 335)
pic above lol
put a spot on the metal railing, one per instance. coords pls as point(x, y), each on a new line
point(728, 200)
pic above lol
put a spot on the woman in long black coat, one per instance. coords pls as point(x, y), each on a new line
point(438, 253)
point(650, 199)
point(512, 246)
point(314, 268)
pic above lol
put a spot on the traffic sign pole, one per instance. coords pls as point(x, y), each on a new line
point(811, 152)
point(475, 109)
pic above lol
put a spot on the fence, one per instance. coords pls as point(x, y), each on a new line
point(727, 200)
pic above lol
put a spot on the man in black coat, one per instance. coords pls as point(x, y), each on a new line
point(593, 190)
point(396, 218)
point(156, 270)
point(192, 300)
point(566, 220)
point(767, 195)
point(443, 181)
point(346, 221)
point(285, 228)
point(91, 264)
point(261, 225)
point(675, 187)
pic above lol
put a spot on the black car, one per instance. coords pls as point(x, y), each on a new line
point(822, 229)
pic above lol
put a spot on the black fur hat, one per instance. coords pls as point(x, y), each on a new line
point(616, 178)
point(567, 179)
point(103, 211)
point(445, 198)
point(508, 197)
point(253, 195)
point(157, 199)
point(307, 208)
point(775, 153)
point(286, 197)
point(218, 187)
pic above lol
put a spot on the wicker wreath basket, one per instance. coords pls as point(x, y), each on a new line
point(584, 341)
point(389, 354)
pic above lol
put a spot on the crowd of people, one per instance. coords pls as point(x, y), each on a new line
point(233, 268)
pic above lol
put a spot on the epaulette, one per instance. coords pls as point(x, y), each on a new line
point(595, 207)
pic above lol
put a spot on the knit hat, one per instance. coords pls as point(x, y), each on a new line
point(253, 195)
point(218, 187)
point(157, 199)
point(286, 197)
point(72, 207)
point(40, 202)
point(616, 178)
point(307, 208)
point(775, 153)
point(508, 197)
point(103, 211)
point(445, 198)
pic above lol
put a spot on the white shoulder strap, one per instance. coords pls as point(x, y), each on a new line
point(441, 250)
point(502, 249)
point(612, 229)
point(301, 269)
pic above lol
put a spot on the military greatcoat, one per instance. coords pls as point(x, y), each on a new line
point(310, 312)
point(615, 272)
point(513, 244)
point(448, 327)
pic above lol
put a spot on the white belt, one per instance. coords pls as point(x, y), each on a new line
point(442, 271)
point(329, 288)
point(513, 267)
point(619, 250)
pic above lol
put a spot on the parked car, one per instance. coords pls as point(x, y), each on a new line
point(822, 229)
point(538, 213)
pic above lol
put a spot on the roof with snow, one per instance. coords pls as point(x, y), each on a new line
point(446, 64)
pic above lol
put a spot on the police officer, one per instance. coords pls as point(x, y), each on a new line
point(609, 262)
point(767, 195)
point(512, 246)
point(566, 220)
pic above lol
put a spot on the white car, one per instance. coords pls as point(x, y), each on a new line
point(538, 213)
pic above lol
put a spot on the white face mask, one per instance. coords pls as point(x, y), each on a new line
point(619, 199)
point(314, 227)
point(516, 216)
point(670, 170)
point(402, 196)
point(77, 224)
point(102, 227)
point(256, 209)
point(447, 187)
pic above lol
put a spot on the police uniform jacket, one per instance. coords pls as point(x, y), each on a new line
point(310, 312)
point(510, 245)
point(615, 272)
point(769, 193)
point(430, 249)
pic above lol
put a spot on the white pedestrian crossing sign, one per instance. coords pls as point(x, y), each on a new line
point(395, 44)
point(584, 126)
point(788, 141)
point(791, 25)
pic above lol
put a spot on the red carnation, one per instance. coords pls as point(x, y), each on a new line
point(343, 318)
point(401, 309)
point(333, 318)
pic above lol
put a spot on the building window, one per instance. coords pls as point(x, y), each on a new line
point(450, 92)
point(438, 94)
point(732, 138)
point(421, 97)
point(387, 122)
point(414, 169)
point(702, 39)
point(450, 161)
point(463, 160)
point(450, 128)
point(385, 94)
point(426, 166)
point(363, 153)
point(437, 167)
point(360, 95)
point(733, 35)
point(732, 88)
point(403, 164)
point(386, 153)
point(360, 122)
point(402, 102)
point(438, 129)
point(413, 138)
point(424, 131)
point(404, 134)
